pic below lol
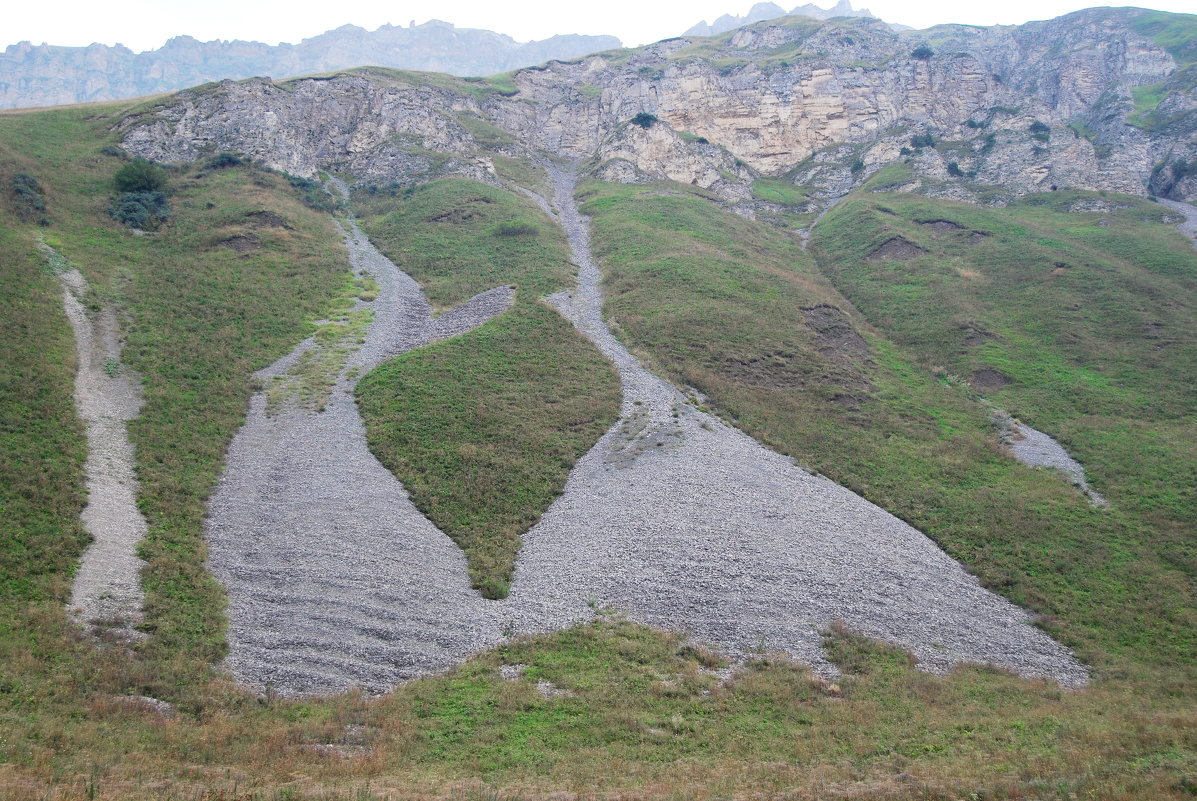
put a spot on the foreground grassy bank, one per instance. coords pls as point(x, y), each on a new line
point(483, 429)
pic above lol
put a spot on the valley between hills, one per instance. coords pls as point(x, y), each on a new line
point(803, 411)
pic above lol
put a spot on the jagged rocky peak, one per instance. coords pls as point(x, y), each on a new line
point(768, 11)
point(43, 75)
point(981, 114)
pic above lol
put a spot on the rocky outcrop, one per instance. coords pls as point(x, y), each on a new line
point(766, 11)
point(47, 75)
point(974, 113)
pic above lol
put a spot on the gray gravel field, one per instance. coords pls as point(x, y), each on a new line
point(675, 519)
point(683, 522)
point(334, 578)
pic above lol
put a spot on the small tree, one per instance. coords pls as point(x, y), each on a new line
point(140, 175)
point(644, 119)
point(922, 53)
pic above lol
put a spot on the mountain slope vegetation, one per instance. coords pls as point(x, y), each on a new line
point(871, 358)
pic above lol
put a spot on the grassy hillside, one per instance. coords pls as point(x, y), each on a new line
point(1083, 324)
point(716, 302)
point(483, 429)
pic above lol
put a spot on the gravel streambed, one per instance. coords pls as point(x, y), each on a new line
point(1187, 226)
point(107, 587)
point(681, 521)
point(334, 578)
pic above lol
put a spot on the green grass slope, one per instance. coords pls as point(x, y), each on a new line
point(1091, 318)
point(715, 302)
point(483, 429)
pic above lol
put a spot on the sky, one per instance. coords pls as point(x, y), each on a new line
point(147, 24)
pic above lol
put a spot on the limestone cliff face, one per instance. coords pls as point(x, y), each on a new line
point(974, 112)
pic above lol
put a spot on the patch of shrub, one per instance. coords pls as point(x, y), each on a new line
point(517, 228)
point(954, 170)
point(144, 210)
point(113, 150)
point(857, 166)
point(313, 195)
point(28, 198)
point(976, 124)
point(905, 151)
point(1039, 131)
point(923, 140)
point(922, 52)
point(644, 119)
point(225, 160)
point(141, 176)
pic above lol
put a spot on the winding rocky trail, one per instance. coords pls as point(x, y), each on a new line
point(334, 578)
point(1188, 225)
point(683, 522)
point(107, 587)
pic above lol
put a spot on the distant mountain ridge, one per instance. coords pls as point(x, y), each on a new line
point(47, 75)
point(764, 11)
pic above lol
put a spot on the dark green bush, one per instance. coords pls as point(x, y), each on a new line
point(225, 160)
point(644, 119)
point(857, 166)
point(1039, 131)
point(923, 140)
point(954, 170)
point(28, 198)
point(144, 210)
point(141, 176)
point(922, 52)
point(313, 194)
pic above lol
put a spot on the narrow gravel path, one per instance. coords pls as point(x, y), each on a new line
point(334, 578)
point(107, 587)
point(1188, 226)
point(683, 522)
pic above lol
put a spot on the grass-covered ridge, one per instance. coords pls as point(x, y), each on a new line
point(483, 429)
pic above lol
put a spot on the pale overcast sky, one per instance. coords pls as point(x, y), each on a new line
point(146, 24)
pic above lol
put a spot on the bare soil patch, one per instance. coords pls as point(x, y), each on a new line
point(241, 243)
point(988, 378)
point(266, 219)
point(896, 249)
